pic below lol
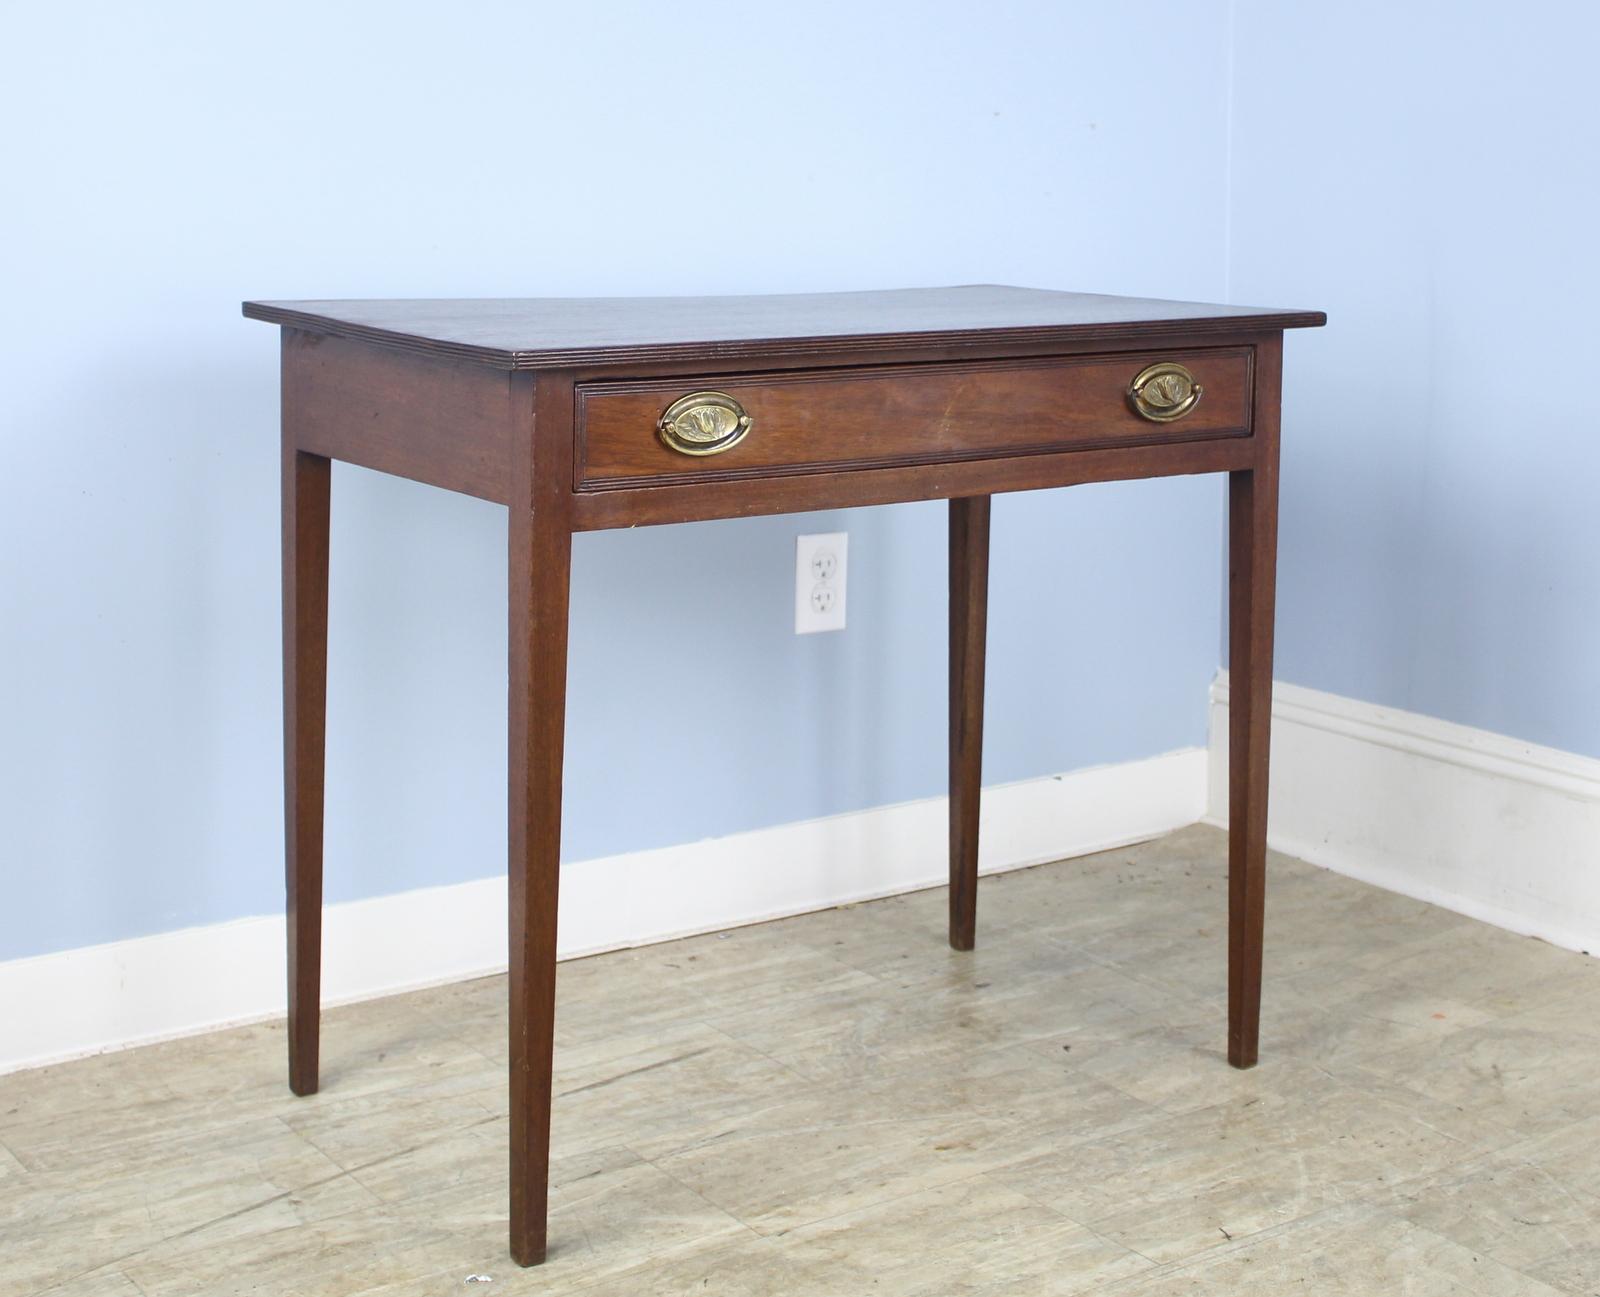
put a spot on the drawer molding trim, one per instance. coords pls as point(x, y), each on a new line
point(863, 417)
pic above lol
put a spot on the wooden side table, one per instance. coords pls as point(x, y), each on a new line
point(590, 413)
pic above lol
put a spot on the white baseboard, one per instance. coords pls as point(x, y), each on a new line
point(1487, 826)
point(84, 1001)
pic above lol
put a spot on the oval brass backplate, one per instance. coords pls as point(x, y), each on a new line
point(704, 423)
point(1163, 392)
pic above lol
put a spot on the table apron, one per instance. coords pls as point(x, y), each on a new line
point(453, 424)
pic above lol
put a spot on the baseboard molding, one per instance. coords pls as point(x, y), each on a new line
point(1485, 825)
point(85, 1001)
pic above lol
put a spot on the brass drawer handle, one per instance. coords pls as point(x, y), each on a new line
point(1164, 392)
point(704, 423)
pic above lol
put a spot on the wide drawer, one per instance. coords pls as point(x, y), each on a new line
point(633, 432)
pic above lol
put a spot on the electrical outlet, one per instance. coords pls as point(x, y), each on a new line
point(819, 582)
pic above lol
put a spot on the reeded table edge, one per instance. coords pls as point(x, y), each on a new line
point(1042, 336)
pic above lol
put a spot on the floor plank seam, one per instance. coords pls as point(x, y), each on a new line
point(1396, 1141)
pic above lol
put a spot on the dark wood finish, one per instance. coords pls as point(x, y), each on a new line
point(538, 333)
point(305, 499)
point(895, 484)
point(428, 418)
point(969, 617)
point(540, 566)
point(810, 421)
point(861, 398)
point(1252, 573)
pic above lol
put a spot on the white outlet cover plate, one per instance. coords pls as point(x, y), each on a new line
point(819, 581)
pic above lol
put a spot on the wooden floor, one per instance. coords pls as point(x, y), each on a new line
point(838, 1104)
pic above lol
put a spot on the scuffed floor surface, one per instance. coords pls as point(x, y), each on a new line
point(838, 1104)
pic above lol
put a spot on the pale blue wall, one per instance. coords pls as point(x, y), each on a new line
point(164, 161)
point(1429, 174)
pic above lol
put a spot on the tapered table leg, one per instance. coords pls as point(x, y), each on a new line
point(305, 672)
point(969, 611)
point(540, 565)
point(1252, 569)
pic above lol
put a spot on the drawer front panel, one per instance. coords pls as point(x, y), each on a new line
point(817, 420)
